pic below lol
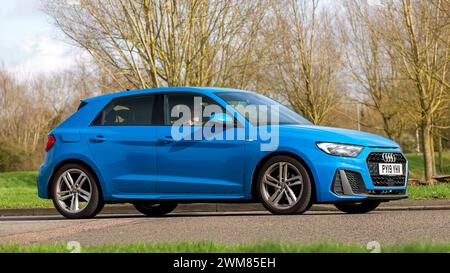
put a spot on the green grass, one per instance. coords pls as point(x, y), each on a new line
point(212, 247)
point(18, 190)
point(422, 192)
point(416, 168)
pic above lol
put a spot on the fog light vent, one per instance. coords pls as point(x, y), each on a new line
point(356, 182)
point(348, 183)
point(337, 184)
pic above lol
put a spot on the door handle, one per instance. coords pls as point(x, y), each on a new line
point(166, 140)
point(97, 139)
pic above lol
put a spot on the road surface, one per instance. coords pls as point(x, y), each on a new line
point(238, 227)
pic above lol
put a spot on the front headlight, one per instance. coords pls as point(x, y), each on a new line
point(340, 149)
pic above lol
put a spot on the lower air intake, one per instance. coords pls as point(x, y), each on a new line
point(348, 183)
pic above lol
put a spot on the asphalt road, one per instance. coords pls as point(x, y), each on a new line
point(240, 227)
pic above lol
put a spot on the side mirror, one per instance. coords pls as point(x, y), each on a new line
point(221, 119)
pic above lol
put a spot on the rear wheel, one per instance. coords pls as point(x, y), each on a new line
point(358, 207)
point(284, 186)
point(153, 209)
point(75, 193)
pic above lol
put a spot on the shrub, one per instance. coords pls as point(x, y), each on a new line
point(12, 156)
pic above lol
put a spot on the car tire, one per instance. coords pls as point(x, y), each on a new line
point(295, 196)
point(309, 206)
point(87, 192)
point(153, 209)
point(358, 207)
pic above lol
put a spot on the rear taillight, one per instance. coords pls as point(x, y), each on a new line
point(50, 141)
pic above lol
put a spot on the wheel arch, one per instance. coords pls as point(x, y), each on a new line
point(78, 162)
point(263, 160)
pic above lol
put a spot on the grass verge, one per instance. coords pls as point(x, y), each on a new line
point(421, 192)
point(416, 168)
point(213, 247)
point(18, 190)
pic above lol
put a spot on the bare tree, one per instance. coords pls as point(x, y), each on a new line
point(156, 43)
point(32, 107)
point(306, 58)
point(420, 35)
point(376, 69)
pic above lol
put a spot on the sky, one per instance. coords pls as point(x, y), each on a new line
point(30, 44)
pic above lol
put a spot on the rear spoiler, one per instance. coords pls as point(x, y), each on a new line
point(82, 103)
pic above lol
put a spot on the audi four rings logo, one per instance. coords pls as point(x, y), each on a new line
point(389, 157)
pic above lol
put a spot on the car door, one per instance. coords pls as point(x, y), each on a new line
point(122, 140)
point(197, 168)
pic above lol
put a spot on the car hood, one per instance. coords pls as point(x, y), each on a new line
point(332, 134)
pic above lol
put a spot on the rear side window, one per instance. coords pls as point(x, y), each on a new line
point(127, 111)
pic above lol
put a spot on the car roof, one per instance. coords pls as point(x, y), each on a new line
point(202, 90)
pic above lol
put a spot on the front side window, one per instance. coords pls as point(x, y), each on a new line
point(127, 111)
point(176, 105)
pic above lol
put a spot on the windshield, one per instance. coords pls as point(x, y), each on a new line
point(241, 100)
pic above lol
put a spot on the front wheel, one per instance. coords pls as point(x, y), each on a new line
point(358, 207)
point(284, 186)
point(152, 209)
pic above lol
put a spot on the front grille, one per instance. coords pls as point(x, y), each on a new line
point(385, 181)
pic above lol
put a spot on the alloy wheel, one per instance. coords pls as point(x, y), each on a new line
point(73, 190)
point(282, 185)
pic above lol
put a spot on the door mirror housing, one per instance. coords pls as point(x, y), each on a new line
point(219, 119)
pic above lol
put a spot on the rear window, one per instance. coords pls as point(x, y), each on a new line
point(127, 111)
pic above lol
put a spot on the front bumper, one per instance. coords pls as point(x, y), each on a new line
point(353, 179)
point(348, 183)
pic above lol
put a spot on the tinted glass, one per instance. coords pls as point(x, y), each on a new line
point(129, 111)
point(243, 99)
point(175, 102)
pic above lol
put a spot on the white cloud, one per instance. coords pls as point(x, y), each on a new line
point(29, 43)
point(45, 55)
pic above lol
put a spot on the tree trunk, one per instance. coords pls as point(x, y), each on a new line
point(417, 140)
point(441, 159)
point(433, 156)
point(358, 116)
point(427, 151)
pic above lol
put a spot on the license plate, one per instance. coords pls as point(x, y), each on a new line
point(390, 169)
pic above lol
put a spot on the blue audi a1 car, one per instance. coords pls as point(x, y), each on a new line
point(126, 148)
